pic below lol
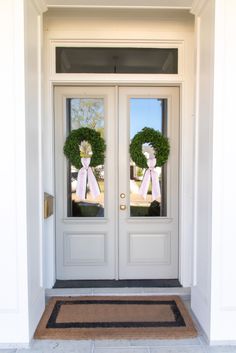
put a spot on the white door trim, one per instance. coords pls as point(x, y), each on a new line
point(183, 81)
point(185, 237)
point(123, 78)
point(181, 38)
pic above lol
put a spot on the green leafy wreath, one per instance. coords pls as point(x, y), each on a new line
point(153, 137)
point(72, 146)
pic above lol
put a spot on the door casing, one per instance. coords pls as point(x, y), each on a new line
point(180, 38)
point(185, 174)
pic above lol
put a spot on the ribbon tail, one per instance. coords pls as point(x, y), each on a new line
point(93, 184)
point(156, 192)
point(81, 183)
point(143, 190)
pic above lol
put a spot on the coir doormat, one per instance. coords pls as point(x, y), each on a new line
point(116, 317)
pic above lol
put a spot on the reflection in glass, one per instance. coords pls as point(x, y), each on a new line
point(85, 112)
point(152, 113)
point(117, 60)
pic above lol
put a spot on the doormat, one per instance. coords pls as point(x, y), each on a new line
point(115, 317)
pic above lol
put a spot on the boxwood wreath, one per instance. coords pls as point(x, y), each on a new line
point(154, 138)
point(72, 146)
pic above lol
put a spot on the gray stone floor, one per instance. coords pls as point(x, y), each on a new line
point(195, 345)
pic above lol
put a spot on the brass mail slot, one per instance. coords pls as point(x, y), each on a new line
point(48, 205)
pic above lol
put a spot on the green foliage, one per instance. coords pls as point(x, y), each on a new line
point(153, 137)
point(87, 112)
point(140, 172)
point(72, 151)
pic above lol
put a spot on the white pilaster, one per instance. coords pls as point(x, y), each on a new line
point(13, 240)
point(214, 289)
point(21, 295)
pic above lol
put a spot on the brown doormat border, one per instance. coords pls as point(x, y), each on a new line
point(179, 321)
point(60, 320)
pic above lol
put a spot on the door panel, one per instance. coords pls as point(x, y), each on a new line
point(85, 229)
point(148, 245)
point(149, 248)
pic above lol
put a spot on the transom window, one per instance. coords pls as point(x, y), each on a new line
point(117, 60)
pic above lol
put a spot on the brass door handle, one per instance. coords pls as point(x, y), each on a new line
point(122, 195)
point(122, 207)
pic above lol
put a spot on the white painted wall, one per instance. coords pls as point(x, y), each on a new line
point(21, 295)
point(99, 26)
point(214, 292)
point(117, 24)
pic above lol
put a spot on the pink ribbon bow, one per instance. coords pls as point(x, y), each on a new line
point(85, 175)
point(150, 175)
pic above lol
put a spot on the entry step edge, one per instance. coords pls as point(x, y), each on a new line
point(182, 292)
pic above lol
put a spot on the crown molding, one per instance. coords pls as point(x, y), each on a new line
point(40, 5)
point(197, 6)
point(142, 4)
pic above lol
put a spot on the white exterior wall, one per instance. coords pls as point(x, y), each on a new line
point(21, 295)
point(98, 27)
point(214, 292)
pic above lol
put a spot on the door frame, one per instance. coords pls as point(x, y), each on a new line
point(183, 80)
point(182, 248)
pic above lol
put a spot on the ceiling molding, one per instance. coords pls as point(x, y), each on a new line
point(40, 5)
point(119, 4)
point(198, 6)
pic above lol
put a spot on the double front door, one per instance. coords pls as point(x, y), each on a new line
point(119, 233)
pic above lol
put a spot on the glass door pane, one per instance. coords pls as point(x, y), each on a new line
point(151, 113)
point(85, 112)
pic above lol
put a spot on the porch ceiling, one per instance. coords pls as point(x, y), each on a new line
point(176, 4)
